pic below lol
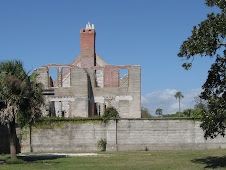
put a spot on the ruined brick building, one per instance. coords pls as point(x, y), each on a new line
point(89, 85)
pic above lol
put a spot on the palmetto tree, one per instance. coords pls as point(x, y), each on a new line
point(179, 95)
point(20, 98)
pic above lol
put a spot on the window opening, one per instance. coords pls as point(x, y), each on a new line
point(123, 72)
point(53, 77)
point(124, 79)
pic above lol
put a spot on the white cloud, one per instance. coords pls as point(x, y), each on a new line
point(165, 100)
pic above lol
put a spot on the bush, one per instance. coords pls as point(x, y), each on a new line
point(178, 114)
point(102, 144)
point(109, 113)
point(197, 113)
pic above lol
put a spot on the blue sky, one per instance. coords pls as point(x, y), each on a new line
point(128, 32)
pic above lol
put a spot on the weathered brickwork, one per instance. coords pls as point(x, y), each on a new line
point(89, 85)
point(87, 62)
point(87, 42)
point(111, 76)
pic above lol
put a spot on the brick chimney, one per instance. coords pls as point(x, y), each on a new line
point(88, 46)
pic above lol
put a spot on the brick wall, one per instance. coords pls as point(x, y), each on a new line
point(87, 62)
point(111, 76)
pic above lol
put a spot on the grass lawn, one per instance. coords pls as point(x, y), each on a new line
point(128, 160)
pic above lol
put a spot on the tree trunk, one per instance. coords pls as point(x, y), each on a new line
point(13, 137)
point(179, 104)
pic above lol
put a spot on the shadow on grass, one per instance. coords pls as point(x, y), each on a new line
point(212, 161)
point(34, 158)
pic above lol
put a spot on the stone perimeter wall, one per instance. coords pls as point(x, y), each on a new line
point(125, 135)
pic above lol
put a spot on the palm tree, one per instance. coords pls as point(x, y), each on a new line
point(179, 95)
point(20, 98)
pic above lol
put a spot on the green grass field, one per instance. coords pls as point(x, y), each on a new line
point(128, 160)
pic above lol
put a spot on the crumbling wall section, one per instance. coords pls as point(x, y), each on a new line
point(66, 80)
point(99, 77)
point(111, 76)
point(88, 92)
point(87, 62)
point(69, 99)
point(62, 108)
point(135, 92)
point(124, 81)
point(100, 62)
point(125, 97)
point(79, 82)
point(43, 76)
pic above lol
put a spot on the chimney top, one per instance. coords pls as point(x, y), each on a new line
point(88, 26)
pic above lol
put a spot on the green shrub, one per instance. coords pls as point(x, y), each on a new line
point(109, 113)
point(102, 144)
point(178, 114)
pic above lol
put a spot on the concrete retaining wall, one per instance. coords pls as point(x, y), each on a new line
point(125, 135)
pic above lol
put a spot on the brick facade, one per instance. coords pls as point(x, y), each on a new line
point(111, 76)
